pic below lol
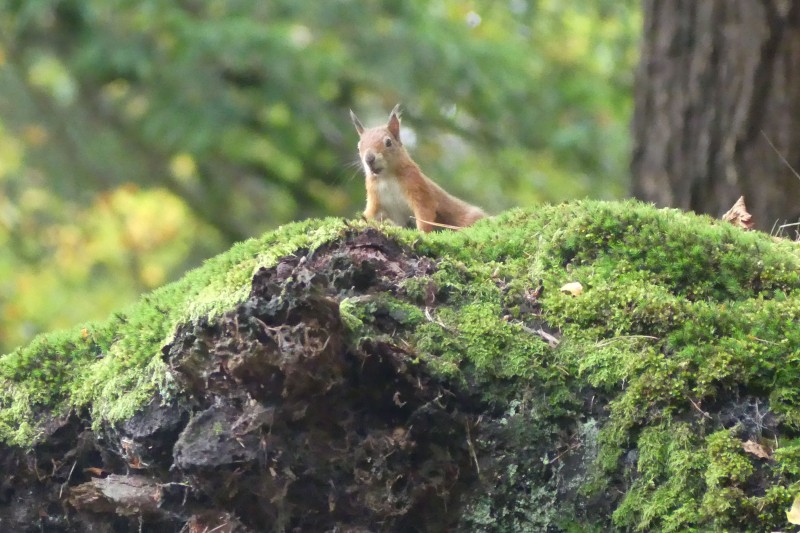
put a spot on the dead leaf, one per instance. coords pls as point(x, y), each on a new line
point(754, 448)
point(574, 288)
point(738, 215)
point(793, 514)
point(96, 471)
point(533, 294)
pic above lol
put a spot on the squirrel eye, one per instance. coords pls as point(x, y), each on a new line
point(387, 142)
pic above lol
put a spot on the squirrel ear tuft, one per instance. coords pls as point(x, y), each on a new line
point(394, 122)
point(356, 122)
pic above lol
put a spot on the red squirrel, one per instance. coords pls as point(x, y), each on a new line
point(397, 189)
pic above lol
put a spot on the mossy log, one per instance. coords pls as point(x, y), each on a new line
point(340, 376)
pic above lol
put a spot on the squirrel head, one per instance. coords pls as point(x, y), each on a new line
point(380, 147)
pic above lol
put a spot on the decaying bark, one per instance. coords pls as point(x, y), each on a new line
point(126, 495)
point(719, 80)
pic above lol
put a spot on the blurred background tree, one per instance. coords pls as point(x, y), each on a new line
point(138, 137)
point(718, 108)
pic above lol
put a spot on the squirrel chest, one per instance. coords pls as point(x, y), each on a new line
point(392, 200)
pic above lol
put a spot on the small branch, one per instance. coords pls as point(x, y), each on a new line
point(785, 162)
point(472, 449)
point(430, 318)
point(705, 414)
point(762, 340)
point(571, 447)
point(437, 224)
point(551, 340)
point(623, 337)
point(61, 490)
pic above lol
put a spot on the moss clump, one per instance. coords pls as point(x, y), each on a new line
point(113, 367)
point(478, 334)
point(682, 347)
point(684, 320)
point(367, 316)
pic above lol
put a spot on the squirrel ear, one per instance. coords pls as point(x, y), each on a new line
point(356, 122)
point(394, 122)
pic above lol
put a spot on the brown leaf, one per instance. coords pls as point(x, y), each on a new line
point(756, 449)
point(738, 215)
point(96, 471)
point(533, 294)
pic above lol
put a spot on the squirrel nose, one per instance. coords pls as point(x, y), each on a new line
point(370, 159)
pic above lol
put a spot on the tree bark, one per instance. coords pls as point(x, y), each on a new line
point(718, 83)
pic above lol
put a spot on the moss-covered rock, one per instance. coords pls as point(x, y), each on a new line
point(664, 397)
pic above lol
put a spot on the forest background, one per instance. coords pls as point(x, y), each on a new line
point(138, 138)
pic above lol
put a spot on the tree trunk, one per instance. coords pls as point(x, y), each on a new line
point(718, 82)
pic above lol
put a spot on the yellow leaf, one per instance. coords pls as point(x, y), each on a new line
point(574, 288)
point(793, 514)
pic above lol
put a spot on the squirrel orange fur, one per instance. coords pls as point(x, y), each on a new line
point(396, 187)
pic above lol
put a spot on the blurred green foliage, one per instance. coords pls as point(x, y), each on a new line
point(137, 137)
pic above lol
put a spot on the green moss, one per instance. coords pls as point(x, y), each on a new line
point(679, 313)
point(361, 315)
point(113, 367)
point(351, 314)
point(482, 340)
point(728, 469)
point(667, 491)
point(685, 481)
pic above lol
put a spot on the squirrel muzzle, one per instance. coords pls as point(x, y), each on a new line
point(373, 162)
